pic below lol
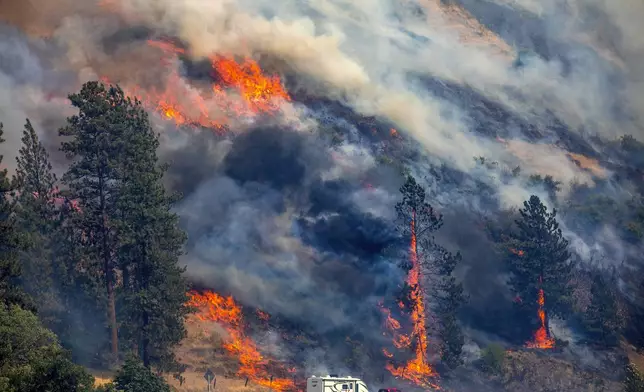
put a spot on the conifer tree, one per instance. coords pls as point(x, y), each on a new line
point(538, 259)
point(96, 143)
point(10, 243)
point(155, 291)
point(417, 219)
point(602, 319)
point(449, 298)
point(36, 218)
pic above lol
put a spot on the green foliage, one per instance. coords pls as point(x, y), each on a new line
point(538, 258)
point(125, 227)
point(135, 377)
point(109, 387)
point(449, 299)
point(31, 358)
point(634, 380)
point(493, 358)
point(602, 320)
point(97, 144)
point(36, 219)
point(10, 242)
point(153, 308)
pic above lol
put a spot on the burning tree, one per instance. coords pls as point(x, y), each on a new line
point(417, 222)
point(540, 267)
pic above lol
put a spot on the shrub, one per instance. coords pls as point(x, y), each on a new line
point(493, 358)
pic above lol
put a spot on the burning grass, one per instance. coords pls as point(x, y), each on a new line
point(252, 364)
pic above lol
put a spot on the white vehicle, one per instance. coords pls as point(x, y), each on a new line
point(333, 383)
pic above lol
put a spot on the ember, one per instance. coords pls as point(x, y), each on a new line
point(252, 364)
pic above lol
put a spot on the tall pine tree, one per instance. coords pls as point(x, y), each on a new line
point(10, 242)
point(36, 218)
point(449, 298)
point(418, 220)
point(154, 309)
point(538, 259)
point(602, 320)
point(96, 144)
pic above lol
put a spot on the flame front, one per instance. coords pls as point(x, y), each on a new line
point(417, 369)
point(542, 339)
point(243, 91)
point(254, 366)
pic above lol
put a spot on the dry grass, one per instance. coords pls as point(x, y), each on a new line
point(200, 350)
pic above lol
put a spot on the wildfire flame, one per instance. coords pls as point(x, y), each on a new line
point(243, 91)
point(252, 364)
point(417, 369)
point(541, 338)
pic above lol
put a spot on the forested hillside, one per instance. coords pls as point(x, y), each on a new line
point(91, 274)
point(425, 194)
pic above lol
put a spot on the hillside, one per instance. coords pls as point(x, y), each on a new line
point(428, 194)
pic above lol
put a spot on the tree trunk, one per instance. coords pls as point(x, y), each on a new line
point(111, 313)
point(145, 346)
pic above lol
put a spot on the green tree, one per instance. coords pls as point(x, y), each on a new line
point(135, 377)
point(538, 259)
point(31, 359)
point(36, 218)
point(10, 242)
point(449, 299)
point(602, 320)
point(154, 306)
point(96, 144)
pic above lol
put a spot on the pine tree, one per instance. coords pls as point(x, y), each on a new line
point(538, 259)
point(36, 218)
point(154, 307)
point(418, 220)
point(602, 320)
point(96, 146)
point(450, 299)
point(10, 243)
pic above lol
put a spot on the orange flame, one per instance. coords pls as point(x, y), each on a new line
point(417, 369)
point(244, 92)
point(519, 252)
point(254, 366)
point(58, 200)
point(541, 339)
